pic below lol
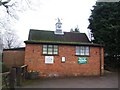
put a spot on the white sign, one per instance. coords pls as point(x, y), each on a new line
point(63, 59)
point(49, 59)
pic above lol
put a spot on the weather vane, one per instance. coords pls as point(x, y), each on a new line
point(58, 19)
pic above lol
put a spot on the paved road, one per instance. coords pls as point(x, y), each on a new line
point(109, 80)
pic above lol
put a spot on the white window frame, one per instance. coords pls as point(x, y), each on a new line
point(82, 50)
point(50, 49)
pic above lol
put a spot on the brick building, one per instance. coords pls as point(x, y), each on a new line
point(58, 53)
point(13, 57)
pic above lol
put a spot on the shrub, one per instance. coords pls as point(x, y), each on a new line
point(3, 68)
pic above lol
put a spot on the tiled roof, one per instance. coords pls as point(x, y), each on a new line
point(50, 36)
point(43, 36)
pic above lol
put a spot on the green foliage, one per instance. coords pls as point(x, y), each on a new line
point(3, 68)
point(105, 26)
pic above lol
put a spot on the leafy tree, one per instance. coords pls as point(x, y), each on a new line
point(105, 27)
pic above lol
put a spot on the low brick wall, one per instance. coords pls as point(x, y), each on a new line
point(13, 57)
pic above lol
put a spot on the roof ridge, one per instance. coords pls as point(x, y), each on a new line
point(75, 32)
point(40, 30)
point(53, 31)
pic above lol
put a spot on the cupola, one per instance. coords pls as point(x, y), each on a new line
point(58, 27)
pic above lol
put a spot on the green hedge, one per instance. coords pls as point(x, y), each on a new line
point(3, 68)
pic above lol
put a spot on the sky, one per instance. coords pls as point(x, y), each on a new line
point(71, 12)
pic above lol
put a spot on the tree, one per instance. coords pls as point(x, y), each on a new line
point(11, 40)
point(10, 10)
point(1, 47)
point(105, 27)
point(13, 6)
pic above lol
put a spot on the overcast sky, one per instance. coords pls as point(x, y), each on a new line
point(72, 13)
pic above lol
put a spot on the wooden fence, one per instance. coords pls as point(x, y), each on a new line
point(14, 77)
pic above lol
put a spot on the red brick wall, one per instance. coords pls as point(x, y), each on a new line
point(13, 58)
point(36, 62)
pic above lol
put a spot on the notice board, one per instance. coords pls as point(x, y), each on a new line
point(82, 60)
point(49, 59)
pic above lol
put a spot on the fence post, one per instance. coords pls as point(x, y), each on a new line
point(25, 72)
point(18, 79)
point(12, 78)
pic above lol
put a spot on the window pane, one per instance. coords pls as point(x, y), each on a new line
point(77, 50)
point(49, 46)
point(44, 52)
point(49, 50)
point(44, 49)
point(87, 51)
point(55, 52)
point(82, 50)
point(55, 47)
point(44, 46)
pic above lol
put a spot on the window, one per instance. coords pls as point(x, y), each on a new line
point(82, 50)
point(50, 49)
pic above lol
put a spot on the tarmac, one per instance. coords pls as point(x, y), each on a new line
point(108, 80)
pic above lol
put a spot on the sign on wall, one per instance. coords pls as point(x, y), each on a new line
point(63, 59)
point(49, 59)
point(82, 60)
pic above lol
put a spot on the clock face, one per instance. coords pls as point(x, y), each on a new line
point(59, 26)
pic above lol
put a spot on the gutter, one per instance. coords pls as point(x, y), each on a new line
point(62, 43)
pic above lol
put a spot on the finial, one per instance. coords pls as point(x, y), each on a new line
point(58, 20)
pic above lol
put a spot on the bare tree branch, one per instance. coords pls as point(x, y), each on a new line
point(11, 40)
point(4, 2)
point(28, 3)
point(10, 16)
